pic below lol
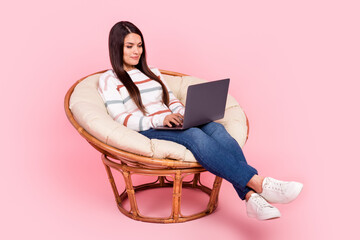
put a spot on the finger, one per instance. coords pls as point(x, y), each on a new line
point(180, 117)
point(167, 122)
point(173, 122)
point(176, 121)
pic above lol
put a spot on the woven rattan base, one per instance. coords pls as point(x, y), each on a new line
point(167, 177)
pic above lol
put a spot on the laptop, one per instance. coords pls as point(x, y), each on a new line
point(205, 102)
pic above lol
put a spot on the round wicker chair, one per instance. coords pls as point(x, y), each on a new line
point(170, 170)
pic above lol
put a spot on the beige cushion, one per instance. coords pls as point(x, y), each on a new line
point(90, 112)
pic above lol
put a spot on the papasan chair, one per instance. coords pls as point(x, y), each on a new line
point(129, 152)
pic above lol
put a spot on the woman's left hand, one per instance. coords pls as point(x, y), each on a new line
point(175, 118)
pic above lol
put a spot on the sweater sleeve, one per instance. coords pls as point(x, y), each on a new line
point(115, 106)
point(174, 104)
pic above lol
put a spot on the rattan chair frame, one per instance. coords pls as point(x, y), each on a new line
point(128, 164)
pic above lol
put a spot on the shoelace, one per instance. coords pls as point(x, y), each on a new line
point(261, 202)
point(276, 185)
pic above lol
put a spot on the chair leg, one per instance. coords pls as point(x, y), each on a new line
point(176, 196)
point(196, 179)
point(128, 188)
point(214, 196)
point(131, 193)
point(162, 181)
point(112, 183)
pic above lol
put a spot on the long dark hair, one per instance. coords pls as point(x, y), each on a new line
point(116, 50)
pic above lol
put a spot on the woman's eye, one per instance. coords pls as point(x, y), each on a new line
point(131, 46)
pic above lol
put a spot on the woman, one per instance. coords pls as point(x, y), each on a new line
point(137, 96)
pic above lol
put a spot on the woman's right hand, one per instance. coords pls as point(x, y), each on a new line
point(175, 118)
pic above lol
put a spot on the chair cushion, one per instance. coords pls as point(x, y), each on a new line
point(90, 112)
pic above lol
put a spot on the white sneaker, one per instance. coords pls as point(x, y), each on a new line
point(276, 191)
point(259, 208)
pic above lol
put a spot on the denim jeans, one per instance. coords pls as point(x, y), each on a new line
point(215, 149)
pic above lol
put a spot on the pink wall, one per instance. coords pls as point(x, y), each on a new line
point(294, 67)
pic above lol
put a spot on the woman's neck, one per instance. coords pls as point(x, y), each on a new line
point(129, 68)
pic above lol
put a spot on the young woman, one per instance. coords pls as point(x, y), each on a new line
point(137, 96)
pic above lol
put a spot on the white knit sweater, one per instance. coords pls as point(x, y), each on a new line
point(122, 108)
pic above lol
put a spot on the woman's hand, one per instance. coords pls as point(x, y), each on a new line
point(175, 118)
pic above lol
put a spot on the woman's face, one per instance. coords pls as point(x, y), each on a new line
point(132, 50)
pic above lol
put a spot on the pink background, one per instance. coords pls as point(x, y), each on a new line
point(294, 68)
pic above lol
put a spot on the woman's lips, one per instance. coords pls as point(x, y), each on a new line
point(135, 58)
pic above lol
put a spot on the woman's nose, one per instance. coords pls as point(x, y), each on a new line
point(136, 50)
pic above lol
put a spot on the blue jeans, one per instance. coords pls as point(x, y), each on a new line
point(215, 149)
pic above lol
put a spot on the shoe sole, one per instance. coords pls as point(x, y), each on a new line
point(265, 217)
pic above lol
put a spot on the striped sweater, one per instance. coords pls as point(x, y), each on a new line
point(122, 108)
